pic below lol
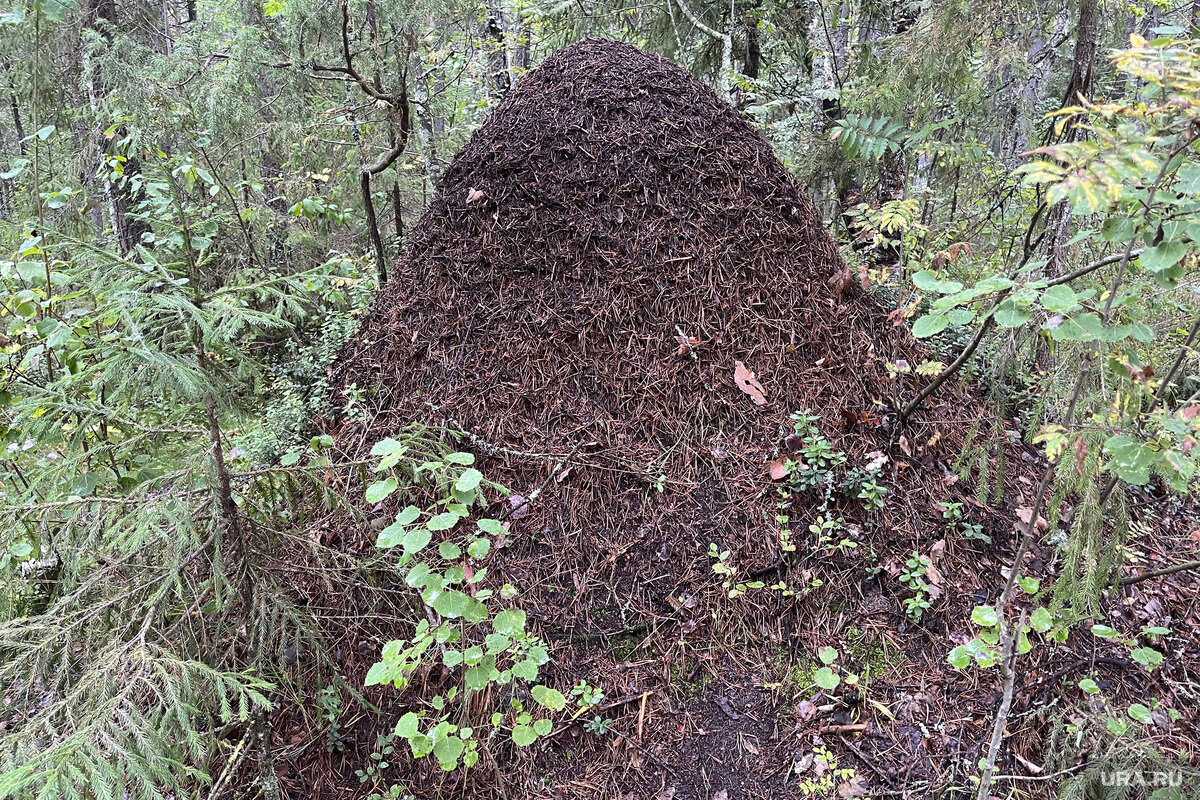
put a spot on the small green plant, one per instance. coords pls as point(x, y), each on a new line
point(832, 534)
point(373, 771)
point(862, 484)
point(468, 629)
point(913, 577)
point(722, 567)
point(587, 696)
point(330, 704)
point(598, 725)
point(825, 775)
point(815, 457)
point(952, 515)
point(829, 676)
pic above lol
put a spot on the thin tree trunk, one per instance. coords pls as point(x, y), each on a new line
point(726, 40)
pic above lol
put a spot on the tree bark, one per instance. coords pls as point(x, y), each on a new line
point(723, 82)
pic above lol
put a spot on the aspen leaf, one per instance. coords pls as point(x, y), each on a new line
point(745, 380)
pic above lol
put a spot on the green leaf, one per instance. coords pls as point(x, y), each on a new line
point(523, 735)
point(416, 540)
point(447, 750)
point(491, 527)
point(390, 536)
point(1147, 657)
point(417, 576)
point(1089, 686)
point(496, 643)
point(1041, 620)
point(526, 670)
point(1187, 179)
point(380, 672)
point(468, 481)
point(1060, 299)
point(444, 521)
point(1118, 229)
point(1104, 632)
point(510, 622)
point(985, 616)
point(479, 548)
point(826, 678)
point(378, 491)
point(449, 551)
point(1164, 256)
point(1028, 585)
point(465, 459)
point(828, 655)
point(543, 726)
point(928, 281)
point(408, 725)
point(930, 325)
point(1083, 328)
point(549, 698)
point(959, 657)
point(1131, 458)
point(385, 446)
point(1010, 314)
point(1140, 713)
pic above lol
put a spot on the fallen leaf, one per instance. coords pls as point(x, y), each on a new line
point(877, 460)
point(1025, 512)
point(473, 194)
point(562, 474)
point(903, 442)
point(749, 384)
point(806, 710)
point(855, 787)
point(1190, 411)
point(937, 550)
point(842, 282)
point(778, 469)
point(1080, 455)
point(721, 795)
point(686, 344)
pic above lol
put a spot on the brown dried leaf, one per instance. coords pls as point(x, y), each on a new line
point(1190, 411)
point(855, 787)
point(686, 345)
point(745, 380)
point(778, 469)
point(842, 282)
point(1080, 455)
point(1025, 512)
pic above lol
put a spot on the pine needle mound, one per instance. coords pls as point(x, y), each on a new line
point(600, 255)
point(605, 261)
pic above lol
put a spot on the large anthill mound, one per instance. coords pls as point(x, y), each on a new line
point(601, 254)
point(599, 259)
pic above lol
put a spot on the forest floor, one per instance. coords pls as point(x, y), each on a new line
point(713, 697)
